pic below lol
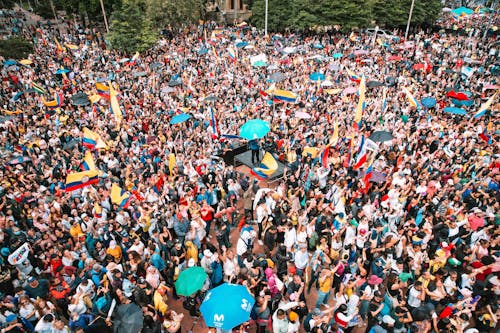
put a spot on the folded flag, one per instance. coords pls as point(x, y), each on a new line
point(120, 197)
point(115, 106)
point(267, 167)
point(411, 99)
point(97, 211)
point(361, 104)
point(232, 54)
point(324, 157)
point(284, 96)
point(352, 76)
point(362, 154)
point(77, 180)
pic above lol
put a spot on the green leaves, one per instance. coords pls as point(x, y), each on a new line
point(15, 48)
point(305, 14)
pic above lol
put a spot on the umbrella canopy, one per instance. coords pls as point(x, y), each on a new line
point(26, 62)
point(289, 49)
point(327, 83)
point(19, 160)
point(254, 129)
point(374, 84)
point(318, 46)
point(272, 67)
point(428, 102)
point(491, 86)
point(180, 118)
point(334, 67)
point(139, 74)
point(80, 99)
point(128, 318)
point(418, 67)
point(454, 110)
point(381, 136)
point(360, 52)
point(350, 90)
point(9, 62)
point(210, 98)
point(395, 58)
point(337, 55)
point(302, 115)
point(174, 83)
point(62, 71)
point(241, 44)
point(227, 306)
point(277, 77)
point(259, 63)
point(190, 281)
point(155, 65)
point(317, 76)
point(462, 11)
point(461, 96)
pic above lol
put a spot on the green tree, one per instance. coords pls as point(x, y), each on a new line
point(279, 14)
point(394, 13)
point(175, 13)
point(15, 48)
point(131, 30)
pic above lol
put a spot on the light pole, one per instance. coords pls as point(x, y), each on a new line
point(265, 18)
point(492, 14)
point(409, 19)
point(105, 19)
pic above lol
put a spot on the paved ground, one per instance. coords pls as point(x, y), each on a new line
point(199, 326)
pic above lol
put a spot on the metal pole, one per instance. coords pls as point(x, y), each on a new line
point(409, 19)
point(235, 11)
point(54, 11)
point(265, 19)
point(105, 19)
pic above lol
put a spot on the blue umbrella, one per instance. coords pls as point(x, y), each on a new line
point(227, 306)
point(259, 63)
point(454, 110)
point(337, 55)
point(318, 46)
point(428, 102)
point(462, 11)
point(317, 76)
point(241, 44)
point(62, 71)
point(254, 129)
point(9, 62)
point(458, 102)
point(202, 51)
point(180, 118)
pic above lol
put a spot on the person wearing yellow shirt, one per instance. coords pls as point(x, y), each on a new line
point(325, 284)
point(115, 251)
point(191, 252)
point(76, 230)
point(160, 299)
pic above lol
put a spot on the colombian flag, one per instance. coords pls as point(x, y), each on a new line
point(38, 88)
point(232, 54)
point(335, 136)
point(158, 186)
point(97, 210)
point(361, 104)
point(120, 197)
point(267, 167)
point(90, 138)
point(411, 99)
point(59, 48)
point(284, 96)
point(352, 76)
point(362, 154)
point(214, 124)
point(324, 157)
point(77, 180)
point(56, 102)
point(88, 162)
point(115, 107)
point(102, 90)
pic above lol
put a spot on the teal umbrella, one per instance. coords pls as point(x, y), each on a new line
point(259, 63)
point(337, 55)
point(454, 110)
point(317, 76)
point(462, 11)
point(190, 281)
point(254, 129)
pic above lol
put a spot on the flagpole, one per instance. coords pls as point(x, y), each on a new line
point(409, 19)
point(104, 14)
point(265, 18)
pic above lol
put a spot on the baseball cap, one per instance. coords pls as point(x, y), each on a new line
point(10, 318)
point(31, 279)
point(316, 312)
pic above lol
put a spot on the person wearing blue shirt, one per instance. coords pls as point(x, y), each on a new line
point(255, 148)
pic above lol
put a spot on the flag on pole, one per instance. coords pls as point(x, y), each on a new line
point(362, 154)
point(134, 59)
point(352, 76)
point(335, 136)
point(115, 107)
point(77, 180)
point(120, 197)
point(411, 99)
point(485, 107)
point(38, 88)
point(59, 48)
point(361, 104)
point(267, 168)
point(97, 210)
point(384, 99)
point(232, 54)
point(368, 174)
point(324, 156)
point(486, 138)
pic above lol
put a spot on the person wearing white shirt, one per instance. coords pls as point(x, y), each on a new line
point(290, 237)
point(450, 283)
point(301, 258)
point(280, 319)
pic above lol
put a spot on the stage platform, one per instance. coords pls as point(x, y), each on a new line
point(246, 159)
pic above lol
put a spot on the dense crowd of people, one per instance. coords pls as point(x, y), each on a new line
point(399, 235)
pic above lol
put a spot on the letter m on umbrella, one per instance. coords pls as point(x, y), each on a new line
point(218, 318)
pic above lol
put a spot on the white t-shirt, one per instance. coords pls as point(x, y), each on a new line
point(413, 298)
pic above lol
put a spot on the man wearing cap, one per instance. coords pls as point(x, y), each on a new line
point(37, 288)
point(206, 261)
point(13, 325)
point(280, 319)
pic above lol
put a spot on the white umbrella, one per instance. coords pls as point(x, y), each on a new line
point(327, 83)
point(302, 115)
point(289, 49)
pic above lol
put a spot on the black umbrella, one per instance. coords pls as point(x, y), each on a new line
point(174, 83)
point(381, 136)
point(277, 77)
point(374, 84)
point(128, 319)
point(210, 98)
point(80, 99)
point(70, 145)
point(390, 81)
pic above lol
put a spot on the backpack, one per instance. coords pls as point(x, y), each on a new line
point(313, 241)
